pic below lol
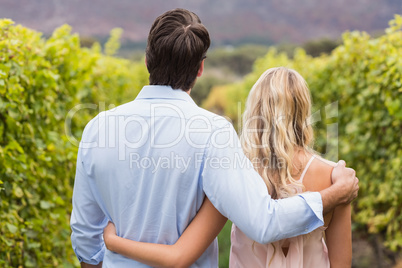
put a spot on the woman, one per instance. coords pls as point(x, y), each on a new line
point(279, 106)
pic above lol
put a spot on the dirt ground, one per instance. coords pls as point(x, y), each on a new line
point(365, 256)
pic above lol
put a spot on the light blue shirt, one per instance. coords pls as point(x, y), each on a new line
point(147, 165)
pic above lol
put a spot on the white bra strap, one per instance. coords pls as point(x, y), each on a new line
point(305, 169)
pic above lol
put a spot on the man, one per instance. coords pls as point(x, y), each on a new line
point(147, 165)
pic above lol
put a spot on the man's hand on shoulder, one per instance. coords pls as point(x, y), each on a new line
point(345, 179)
point(345, 187)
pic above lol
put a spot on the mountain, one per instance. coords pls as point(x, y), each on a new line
point(231, 21)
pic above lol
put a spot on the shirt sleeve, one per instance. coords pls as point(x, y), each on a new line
point(87, 219)
point(240, 194)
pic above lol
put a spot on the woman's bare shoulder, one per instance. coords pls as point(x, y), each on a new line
point(318, 176)
point(325, 161)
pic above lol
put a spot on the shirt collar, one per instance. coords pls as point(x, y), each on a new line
point(163, 92)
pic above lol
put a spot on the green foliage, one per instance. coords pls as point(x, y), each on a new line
point(113, 44)
point(322, 46)
point(358, 89)
point(87, 41)
point(313, 48)
point(204, 84)
point(225, 65)
point(236, 59)
point(224, 245)
point(41, 83)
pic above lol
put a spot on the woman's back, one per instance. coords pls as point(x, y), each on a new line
point(302, 251)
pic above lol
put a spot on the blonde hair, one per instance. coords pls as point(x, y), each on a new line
point(275, 127)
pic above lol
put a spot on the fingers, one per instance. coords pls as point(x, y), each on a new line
point(355, 189)
point(109, 226)
point(351, 172)
point(347, 179)
point(345, 171)
point(341, 163)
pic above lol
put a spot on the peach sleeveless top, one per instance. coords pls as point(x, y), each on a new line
point(307, 250)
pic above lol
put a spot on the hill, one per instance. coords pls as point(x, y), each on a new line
point(229, 22)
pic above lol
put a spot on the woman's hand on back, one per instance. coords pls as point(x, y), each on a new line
point(108, 233)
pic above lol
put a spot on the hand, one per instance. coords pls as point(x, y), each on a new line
point(108, 233)
point(346, 181)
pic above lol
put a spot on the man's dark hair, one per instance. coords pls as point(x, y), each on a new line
point(177, 44)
